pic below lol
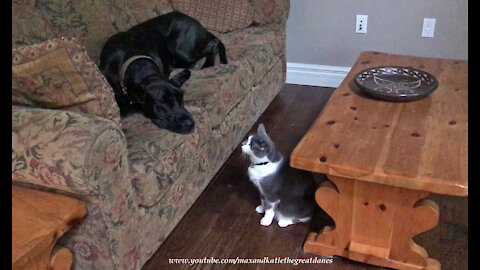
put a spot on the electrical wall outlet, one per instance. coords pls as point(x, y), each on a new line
point(361, 24)
point(428, 27)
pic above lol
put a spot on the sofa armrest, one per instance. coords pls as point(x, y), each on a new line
point(58, 74)
point(86, 156)
point(64, 150)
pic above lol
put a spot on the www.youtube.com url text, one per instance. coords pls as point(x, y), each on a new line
point(264, 260)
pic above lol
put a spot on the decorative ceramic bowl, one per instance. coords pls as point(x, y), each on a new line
point(396, 83)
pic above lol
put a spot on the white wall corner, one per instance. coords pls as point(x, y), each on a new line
point(316, 75)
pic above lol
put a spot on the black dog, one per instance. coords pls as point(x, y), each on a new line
point(138, 62)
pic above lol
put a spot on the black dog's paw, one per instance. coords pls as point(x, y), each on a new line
point(185, 74)
point(180, 78)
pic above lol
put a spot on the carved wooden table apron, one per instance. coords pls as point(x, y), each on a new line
point(383, 159)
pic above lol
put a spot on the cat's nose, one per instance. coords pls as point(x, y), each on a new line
point(244, 142)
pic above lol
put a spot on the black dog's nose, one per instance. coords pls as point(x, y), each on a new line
point(188, 124)
point(185, 122)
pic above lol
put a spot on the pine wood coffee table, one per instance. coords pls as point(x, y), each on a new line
point(38, 219)
point(384, 158)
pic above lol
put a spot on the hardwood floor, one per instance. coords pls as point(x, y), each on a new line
point(223, 222)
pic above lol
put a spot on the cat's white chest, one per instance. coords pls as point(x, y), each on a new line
point(256, 173)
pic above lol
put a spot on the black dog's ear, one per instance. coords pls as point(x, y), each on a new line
point(180, 78)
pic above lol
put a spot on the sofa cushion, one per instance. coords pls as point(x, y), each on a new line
point(251, 54)
point(58, 74)
point(219, 88)
point(218, 15)
point(240, 42)
point(157, 156)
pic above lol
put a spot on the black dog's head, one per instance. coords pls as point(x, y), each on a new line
point(162, 102)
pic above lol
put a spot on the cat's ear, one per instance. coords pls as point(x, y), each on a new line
point(261, 130)
point(262, 133)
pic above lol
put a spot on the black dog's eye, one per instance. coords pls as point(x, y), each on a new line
point(159, 108)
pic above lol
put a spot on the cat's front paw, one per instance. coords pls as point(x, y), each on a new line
point(266, 221)
point(260, 209)
point(285, 222)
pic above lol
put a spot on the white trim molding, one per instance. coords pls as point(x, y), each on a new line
point(316, 75)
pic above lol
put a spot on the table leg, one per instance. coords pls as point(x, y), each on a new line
point(374, 224)
point(50, 258)
point(61, 259)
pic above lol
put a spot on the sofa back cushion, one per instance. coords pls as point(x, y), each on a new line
point(268, 11)
point(218, 15)
point(58, 74)
point(91, 22)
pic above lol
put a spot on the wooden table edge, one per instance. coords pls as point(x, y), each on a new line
point(397, 181)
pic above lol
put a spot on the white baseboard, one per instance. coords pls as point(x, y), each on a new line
point(315, 75)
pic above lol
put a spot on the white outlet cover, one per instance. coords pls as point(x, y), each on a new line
point(361, 24)
point(428, 28)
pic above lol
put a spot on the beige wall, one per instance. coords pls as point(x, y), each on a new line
point(322, 32)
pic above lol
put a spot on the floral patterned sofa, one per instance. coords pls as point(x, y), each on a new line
point(137, 180)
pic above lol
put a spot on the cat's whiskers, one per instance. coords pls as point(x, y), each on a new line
point(243, 156)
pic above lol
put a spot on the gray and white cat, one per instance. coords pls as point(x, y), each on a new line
point(284, 197)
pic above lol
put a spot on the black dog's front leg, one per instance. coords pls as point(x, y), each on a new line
point(215, 47)
point(180, 78)
point(209, 60)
